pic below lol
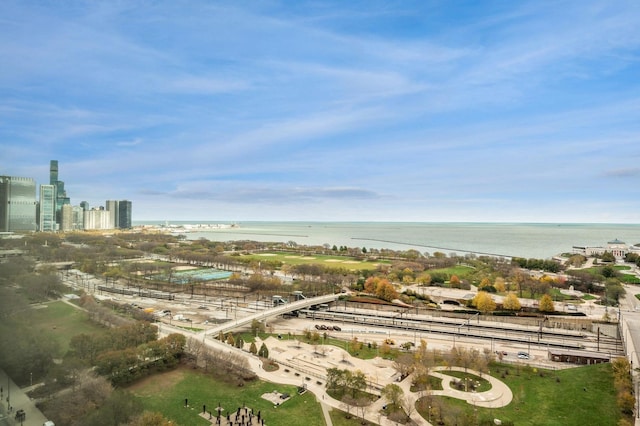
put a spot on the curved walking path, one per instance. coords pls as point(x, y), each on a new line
point(498, 396)
point(304, 359)
point(301, 358)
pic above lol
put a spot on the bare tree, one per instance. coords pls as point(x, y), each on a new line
point(347, 403)
point(404, 365)
point(409, 405)
point(194, 348)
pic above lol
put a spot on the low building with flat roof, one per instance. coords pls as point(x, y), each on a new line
point(618, 248)
point(578, 357)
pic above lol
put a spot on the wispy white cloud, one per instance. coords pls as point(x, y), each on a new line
point(227, 104)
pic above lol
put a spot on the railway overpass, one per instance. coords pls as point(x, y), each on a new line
point(267, 313)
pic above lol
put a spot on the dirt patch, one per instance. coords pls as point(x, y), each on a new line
point(148, 385)
point(270, 365)
point(275, 397)
point(184, 268)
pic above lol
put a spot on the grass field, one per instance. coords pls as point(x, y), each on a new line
point(568, 397)
point(625, 278)
point(166, 392)
point(61, 321)
point(328, 261)
point(584, 395)
point(460, 270)
point(339, 418)
point(484, 384)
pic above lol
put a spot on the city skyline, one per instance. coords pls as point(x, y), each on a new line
point(334, 111)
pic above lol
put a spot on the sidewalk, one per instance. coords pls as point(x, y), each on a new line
point(297, 357)
point(19, 401)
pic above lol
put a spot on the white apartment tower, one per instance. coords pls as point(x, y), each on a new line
point(47, 208)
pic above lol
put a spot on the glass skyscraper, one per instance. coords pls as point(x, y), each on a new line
point(124, 214)
point(17, 204)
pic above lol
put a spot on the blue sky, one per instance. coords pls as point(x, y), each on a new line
point(524, 111)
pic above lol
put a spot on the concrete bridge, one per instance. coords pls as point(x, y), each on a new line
point(268, 313)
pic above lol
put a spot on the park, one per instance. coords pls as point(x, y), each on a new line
point(333, 369)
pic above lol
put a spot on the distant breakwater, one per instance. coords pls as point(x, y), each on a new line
point(434, 247)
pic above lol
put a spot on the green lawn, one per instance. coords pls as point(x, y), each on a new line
point(339, 418)
point(558, 296)
point(166, 392)
point(61, 321)
point(629, 279)
point(485, 385)
point(625, 278)
point(542, 400)
point(460, 270)
point(324, 260)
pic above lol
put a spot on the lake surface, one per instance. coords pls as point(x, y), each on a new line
point(529, 240)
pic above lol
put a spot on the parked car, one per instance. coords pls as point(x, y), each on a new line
point(336, 328)
point(523, 355)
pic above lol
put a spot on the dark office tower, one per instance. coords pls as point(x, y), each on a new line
point(17, 204)
point(84, 205)
point(53, 172)
point(61, 194)
point(124, 214)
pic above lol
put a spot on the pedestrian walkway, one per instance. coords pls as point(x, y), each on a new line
point(14, 399)
point(296, 357)
point(498, 396)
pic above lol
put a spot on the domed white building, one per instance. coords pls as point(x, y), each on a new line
point(618, 248)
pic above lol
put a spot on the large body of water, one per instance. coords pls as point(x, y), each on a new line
point(529, 240)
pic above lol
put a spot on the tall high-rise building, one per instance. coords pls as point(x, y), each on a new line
point(78, 218)
point(17, 204)
point(47, 208)
point(112, 207)
point(124, 214)
point(53, 172)
point(84, 205)
point(66, 222)
point(61, 194)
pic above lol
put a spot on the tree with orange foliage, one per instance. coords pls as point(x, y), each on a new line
point(386, 291)
point(485, 282)
point(371, 284)
point(454, 281)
